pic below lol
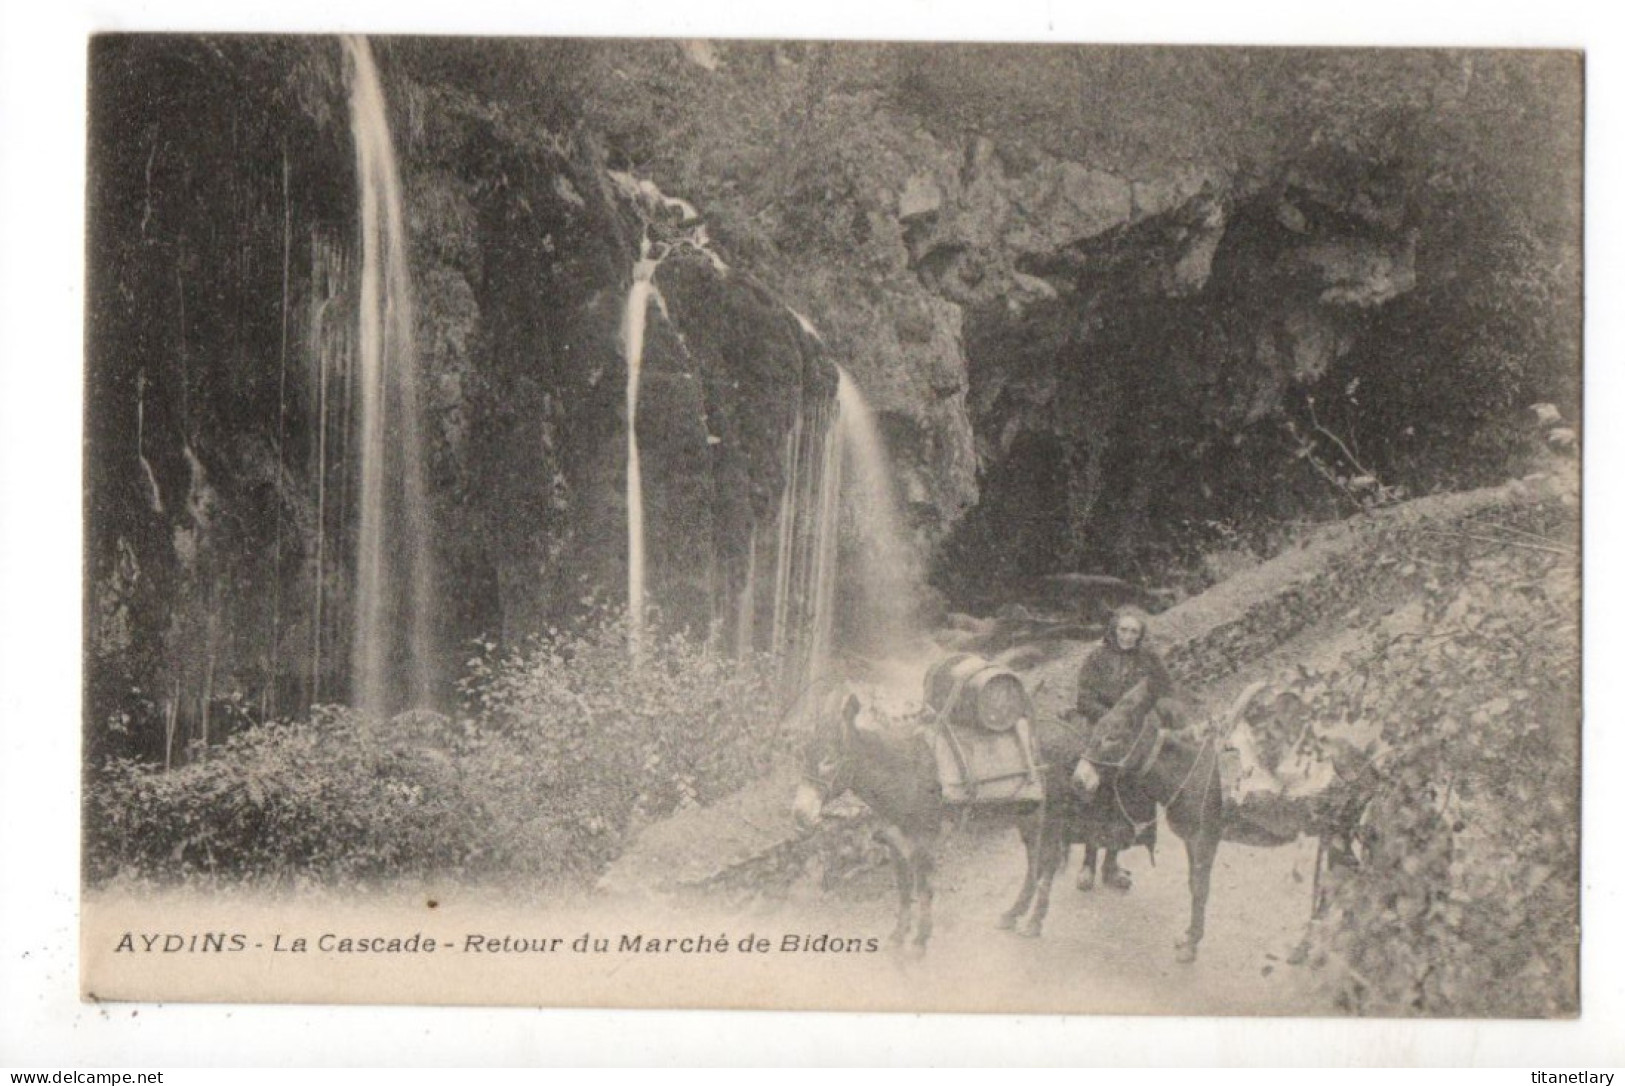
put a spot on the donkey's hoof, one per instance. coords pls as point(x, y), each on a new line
point(1184, 952)
point(1118, 880)
point(1006, 922)
point(1086, 881)
point(1032, 929)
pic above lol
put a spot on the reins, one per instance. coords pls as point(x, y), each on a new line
point(1122, 809)
point(843, 753)
point(1148, 724)
point(1209, 742)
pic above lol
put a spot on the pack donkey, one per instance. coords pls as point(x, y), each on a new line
point(1177, 771)
point(896, 776)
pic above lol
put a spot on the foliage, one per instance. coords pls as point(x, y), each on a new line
point(564, 750)
point(1453, 623)
point(1466, 901)
point(608, 745)
point(338, 796)
point(1447, 142)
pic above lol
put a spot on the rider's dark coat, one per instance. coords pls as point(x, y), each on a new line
point(1110, 671)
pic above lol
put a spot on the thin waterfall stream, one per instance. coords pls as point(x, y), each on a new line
point(837, 526)
point(392, 658)
point(634, 323)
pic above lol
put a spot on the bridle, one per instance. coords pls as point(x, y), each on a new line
point(826, 773)
point(1148, 728)
point(1139, 767)
point(1210, 742)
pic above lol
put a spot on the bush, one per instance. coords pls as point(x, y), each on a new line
point(339, 795)
point(610, 745)
point(1467, 898)
point(562, 751)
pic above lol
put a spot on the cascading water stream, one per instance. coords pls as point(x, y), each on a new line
point(837, 526)
point(155, 500)
point(788, 533)
point(745, 621)
point(330, 354)
point(826, 548)
point(391, 650)
point(883, 571)
point(634, 322)
point(837, 521)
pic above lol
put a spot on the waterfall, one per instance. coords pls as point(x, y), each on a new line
point(826, 542)
point(155, 499)
point(633, 323)
point(837, 528)
point(784, 556)
point(840, 571)
point(391, 648)
point(329, 352)
point(745, 622)
point(680, 228)
point(808, 544)
point(883, 575)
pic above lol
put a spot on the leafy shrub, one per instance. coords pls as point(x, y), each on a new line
point(1467, 898)
point(339, 795)
point(562, 750)
point(608, 744)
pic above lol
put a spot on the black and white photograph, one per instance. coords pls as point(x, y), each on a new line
point(832, 525)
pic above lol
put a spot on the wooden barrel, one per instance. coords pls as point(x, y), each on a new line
point(990, 697)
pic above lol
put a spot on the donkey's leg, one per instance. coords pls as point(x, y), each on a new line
point(902, 858)
point(904, 868)
point(1300, 950)
point(1200, 848)
point(924, 866)
point(1086, 874)
point(1317, 900)
point(1052, 851)
point(1113, 877)
point(1031, 826)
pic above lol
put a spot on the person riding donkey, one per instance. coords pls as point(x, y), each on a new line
point(1120, 663)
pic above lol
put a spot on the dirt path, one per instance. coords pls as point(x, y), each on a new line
point(1102, 951)
point(1105, 951)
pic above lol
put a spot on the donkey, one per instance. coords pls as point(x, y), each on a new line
point(897, 777)
point(1175, 770)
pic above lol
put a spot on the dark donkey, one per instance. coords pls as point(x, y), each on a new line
point(1177, 770)
point(897, 777)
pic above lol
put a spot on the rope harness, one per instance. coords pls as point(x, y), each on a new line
point(1134, 823)
point(1159, 737)
point(1139, 767)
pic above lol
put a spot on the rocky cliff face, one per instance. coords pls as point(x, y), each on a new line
point(1119, 305)
point(221, 394)
point(1109, 306)
point(1071, 360)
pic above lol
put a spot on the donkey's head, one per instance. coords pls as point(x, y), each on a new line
point(826, 762)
